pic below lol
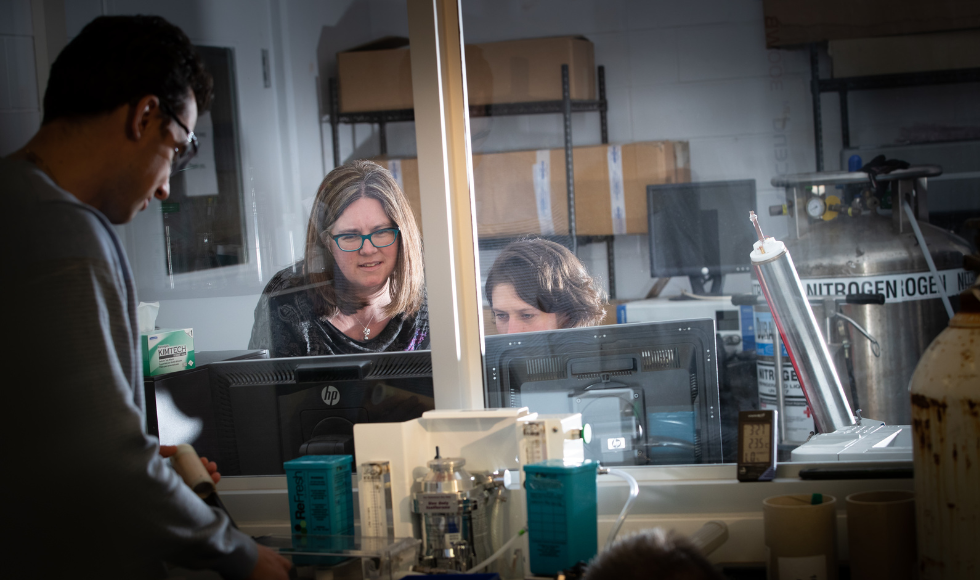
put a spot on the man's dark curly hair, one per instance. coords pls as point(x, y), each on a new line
point(651, 554)
point(118, 60)
point(550, 278)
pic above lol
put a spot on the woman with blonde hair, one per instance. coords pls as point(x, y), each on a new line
point(536, 284)
point(360, 286)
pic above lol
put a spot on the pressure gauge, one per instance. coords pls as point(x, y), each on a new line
point(756, 445)
point(816, 207)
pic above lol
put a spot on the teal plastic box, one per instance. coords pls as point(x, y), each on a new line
point(561, 514)
point(320, 502)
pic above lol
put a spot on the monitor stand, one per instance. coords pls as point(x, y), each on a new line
point(698, 284)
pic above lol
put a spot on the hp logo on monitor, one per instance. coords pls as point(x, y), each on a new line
point(330, 395)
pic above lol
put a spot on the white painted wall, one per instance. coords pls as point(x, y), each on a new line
point(20, 107)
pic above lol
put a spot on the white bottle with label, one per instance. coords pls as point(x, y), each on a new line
point(946, 432)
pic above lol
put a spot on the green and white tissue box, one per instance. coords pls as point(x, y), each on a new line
point(167, 351)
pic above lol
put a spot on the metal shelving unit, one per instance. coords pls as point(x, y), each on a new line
point(843, 86)
point(565, 107)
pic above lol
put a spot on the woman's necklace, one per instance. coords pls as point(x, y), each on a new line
point(366, 327)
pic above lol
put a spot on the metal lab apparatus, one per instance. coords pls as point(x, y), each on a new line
point(857, 240)
point(773, 267)
point(455, 511)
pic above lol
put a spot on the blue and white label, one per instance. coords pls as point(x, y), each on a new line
point(395, 167)
point(765, 331)
point(747, 317)
point(542, 191)
point(617, 195)
point(896, 287)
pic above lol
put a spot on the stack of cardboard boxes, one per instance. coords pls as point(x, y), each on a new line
point(525, 192)
point(378, 76)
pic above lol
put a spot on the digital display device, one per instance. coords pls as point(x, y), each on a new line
point(697, 230)
point(757, 445)
point(271, 411)
point(648, 391)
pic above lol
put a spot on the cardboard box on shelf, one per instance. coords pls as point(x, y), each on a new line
point(524, 192)
point(611, 183)
point(612, 309)
point(489, 325)
point(520, 71)
point(378, 76)
point(904, 54)
point(520, 192)
point(406, 173)
point(791, 22)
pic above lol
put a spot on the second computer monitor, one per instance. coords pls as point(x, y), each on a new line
point(648, 392)
point(701, 230)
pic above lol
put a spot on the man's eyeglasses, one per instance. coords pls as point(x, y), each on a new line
point(354, 242)
point(183, 152)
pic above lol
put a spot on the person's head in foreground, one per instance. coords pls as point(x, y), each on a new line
point(362, 243)
point(536, 284)
point(130, 88)
point(651, 554)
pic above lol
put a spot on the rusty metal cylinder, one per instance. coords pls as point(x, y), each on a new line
point(946, 451)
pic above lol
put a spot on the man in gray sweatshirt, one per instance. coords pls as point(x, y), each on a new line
point(87, 493)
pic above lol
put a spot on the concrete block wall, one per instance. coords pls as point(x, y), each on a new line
point(699, 71)
point(20, 110)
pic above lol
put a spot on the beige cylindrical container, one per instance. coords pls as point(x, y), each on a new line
point(801, 536)
point(946, 441)
point(881, 535)
point(187, 463)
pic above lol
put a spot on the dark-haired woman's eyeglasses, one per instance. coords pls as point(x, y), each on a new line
point(354, 242)
point(183, 152)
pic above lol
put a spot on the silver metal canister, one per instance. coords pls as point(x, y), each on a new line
point(455, 509)
point(799, 331)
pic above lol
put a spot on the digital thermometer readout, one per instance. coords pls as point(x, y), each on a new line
point(757, 445)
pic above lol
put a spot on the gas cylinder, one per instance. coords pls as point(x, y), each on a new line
point(861, 247)
point(945, 391)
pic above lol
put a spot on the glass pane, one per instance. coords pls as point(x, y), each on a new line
point(243, 256)
point(681, 122)
point(236, 227)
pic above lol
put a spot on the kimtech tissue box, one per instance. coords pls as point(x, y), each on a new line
point(167, 351)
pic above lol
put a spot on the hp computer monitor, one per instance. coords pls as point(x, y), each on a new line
point(270, 411)
point(648, 392)
point(701, 230)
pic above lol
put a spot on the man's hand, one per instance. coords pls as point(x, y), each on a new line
point(212, 467)
point(270, 565)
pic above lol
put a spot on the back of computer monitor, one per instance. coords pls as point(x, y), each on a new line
point(272, 411)
point(648, 391)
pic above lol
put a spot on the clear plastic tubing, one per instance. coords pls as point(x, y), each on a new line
point(798, 328)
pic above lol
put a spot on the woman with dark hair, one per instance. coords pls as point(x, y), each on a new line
point(535, 284)
point(360, 287)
